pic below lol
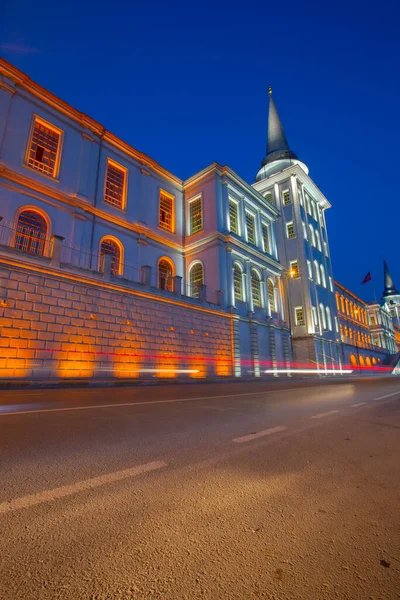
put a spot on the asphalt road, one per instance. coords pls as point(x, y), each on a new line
point(280, 490)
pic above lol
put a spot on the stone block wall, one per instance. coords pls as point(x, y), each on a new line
point(55, 323)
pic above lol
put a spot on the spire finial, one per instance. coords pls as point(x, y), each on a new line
point(270, 90)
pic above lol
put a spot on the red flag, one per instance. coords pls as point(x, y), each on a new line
point(367, 278)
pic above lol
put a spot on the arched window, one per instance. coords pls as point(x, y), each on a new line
point(256, 288)
point(323, 277)
point(337, 301)
point(113, 248)
point(317, 272)
point(312, 236)
point(318, 240)
point(362, 363)
point(328, 318)
point(353, 360)
point(238, 282)
point(373, 360)
point(368, 361)
point(351, 309)
point(342, 303)
point(31, 232)
point(165, 274)
point(271, 295)
point(347, 306)
point(196, 279)
point(322, 316)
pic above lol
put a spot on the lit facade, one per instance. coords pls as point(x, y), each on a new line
point(247, 265)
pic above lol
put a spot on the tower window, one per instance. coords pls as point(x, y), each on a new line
point(290, 230)
point(265, 233)
point(269, 197)
point(195, 216)
point(309, 269)
point(44, 147)
point(251, 228)
point(166, 212)
point(299, 315)
point(233, 217)
point(115, 185)
point(286, 197)
point(294, 267)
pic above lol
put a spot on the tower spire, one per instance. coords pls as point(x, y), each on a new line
point(389, 288)
point(276, 142)
point(278, 153)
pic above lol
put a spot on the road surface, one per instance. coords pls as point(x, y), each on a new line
point(278, 490)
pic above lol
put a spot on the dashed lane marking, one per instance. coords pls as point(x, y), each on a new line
point(259, 434)
point(387, 395)
point(7, 413)
point(80, 486)
point(325, 414)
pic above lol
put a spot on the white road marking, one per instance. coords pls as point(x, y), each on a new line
point(171, 401)
point(259, 434)
point(69, 490)
point(358, 404)
point(325, 414)
point(388, 395)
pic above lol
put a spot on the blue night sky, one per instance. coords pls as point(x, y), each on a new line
point(187, 84)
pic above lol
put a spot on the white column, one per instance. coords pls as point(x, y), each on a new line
point(248, 287)
point(264, 290)
point(230, 296)
point(259, 231)
point(242, 229)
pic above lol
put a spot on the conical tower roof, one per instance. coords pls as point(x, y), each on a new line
point(389, 288)
point(277, 144)
point(278, 150)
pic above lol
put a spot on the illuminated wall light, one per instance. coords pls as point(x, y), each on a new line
point(127, 366)
point(92, 316)
point(3, 302)
point(192, 332)
point(128, 322)
point(172, 328)
point(206, 334)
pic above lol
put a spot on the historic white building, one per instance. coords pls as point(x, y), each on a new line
point(80, 203)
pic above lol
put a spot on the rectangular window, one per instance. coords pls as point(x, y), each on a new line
point(290, 230)
point(44, 148)
point(115, 185)
point(309, 269)
point(233, 217)
point(166, 212)
point(286, 197)
point(265, 234)
point(300, 194)
point(195, 216)
point(299, 315)
point(251, 228)
point(294, 267)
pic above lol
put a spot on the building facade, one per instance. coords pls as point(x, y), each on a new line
point(359, 322)
point(112, 264)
